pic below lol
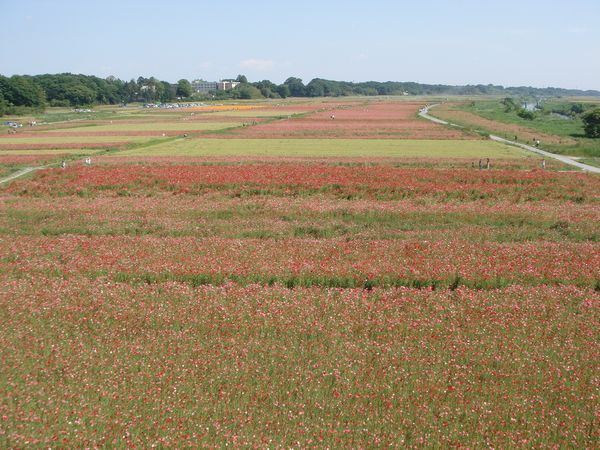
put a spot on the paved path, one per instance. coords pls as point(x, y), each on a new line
point(20, 173)
point(424, 113)
point(561, 158)
point(564, 159)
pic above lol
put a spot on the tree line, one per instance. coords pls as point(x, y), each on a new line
point(25, 92)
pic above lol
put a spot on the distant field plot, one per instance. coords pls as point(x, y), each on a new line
point(52, 139)
point(191, 125)
point(46, 152)
point(382, 120)
point(326, 147)
point(260, 112)
point(72, 142)
point(209, 107)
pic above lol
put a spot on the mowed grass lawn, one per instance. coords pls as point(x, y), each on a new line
point(331, 147)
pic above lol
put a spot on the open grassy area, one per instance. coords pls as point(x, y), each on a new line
point(331, 147)
point(545, 123)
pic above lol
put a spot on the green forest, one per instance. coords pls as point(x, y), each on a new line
point(20, 93)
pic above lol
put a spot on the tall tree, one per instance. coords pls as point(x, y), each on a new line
point(283, 90)
point(184, 88)
point(168, 92)
point(296, 87)
point(3, 105)
point(316, 88)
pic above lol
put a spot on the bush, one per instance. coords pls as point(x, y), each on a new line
point(591, 124)
point(527, 115)
point(509, 104)
point(60, 103)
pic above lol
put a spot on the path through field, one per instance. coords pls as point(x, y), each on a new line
point(20, 173)
point(424, 113)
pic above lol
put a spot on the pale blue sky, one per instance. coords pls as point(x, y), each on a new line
point(513, 43)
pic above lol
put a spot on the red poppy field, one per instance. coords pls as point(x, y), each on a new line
point(295, 274)
point(300, 302)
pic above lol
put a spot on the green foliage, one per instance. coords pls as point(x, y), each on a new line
point(78, 90)
point(72, 90)
point(295, 86)
point(247, 91)
point(509, 104)
point(527, 115)
point(184, 88)
point(3, 105)
point(577, 108)
point(591, 123)
point(21, 91)
point(316, 88)
point(267, 88)
point(283, 91)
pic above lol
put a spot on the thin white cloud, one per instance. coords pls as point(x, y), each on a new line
point(261, 65)
point(578, 30)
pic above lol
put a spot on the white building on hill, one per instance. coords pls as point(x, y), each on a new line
point(204, 87)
